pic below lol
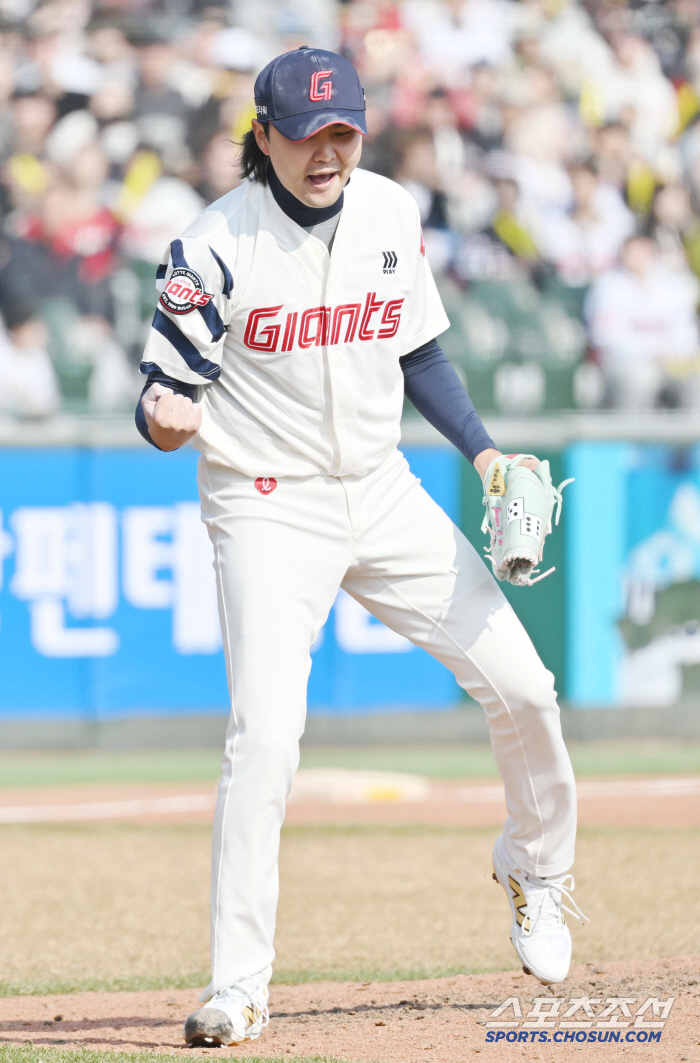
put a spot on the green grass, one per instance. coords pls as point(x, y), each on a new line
point(35, 1054)
point(71, 768)
point(384, 974)
point(51, 986)
point(640, 756)
point(643, 756)
point(437, 762)
point(58, 986)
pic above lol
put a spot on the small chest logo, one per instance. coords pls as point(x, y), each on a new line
point(184, 292)
point(318, 91)
point(390, 261)
point(266, 484)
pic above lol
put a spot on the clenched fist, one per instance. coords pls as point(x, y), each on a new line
point(172, 419)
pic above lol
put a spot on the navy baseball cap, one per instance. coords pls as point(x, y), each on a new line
point(306, 90)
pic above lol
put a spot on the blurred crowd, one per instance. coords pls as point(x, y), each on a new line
point(552, 147)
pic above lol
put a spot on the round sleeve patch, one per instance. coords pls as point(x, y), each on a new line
point(184, 292)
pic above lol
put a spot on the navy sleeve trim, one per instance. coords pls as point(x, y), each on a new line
point(432, 385)
point(177, 254)
point(149, 367)
point(184, 347)
point(157, 376)
point(208, 312)
point(228, 279)
point(213, 321)
point(160, 272)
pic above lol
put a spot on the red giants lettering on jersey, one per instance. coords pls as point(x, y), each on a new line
point(313, 329)
point(184, 292)
point(262, 339)
point(371, 307)
point(323, 326)
point(319, 91)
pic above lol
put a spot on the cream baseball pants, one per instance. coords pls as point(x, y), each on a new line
point(280, 559)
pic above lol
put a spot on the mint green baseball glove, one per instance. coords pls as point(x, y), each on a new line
point(519, 506)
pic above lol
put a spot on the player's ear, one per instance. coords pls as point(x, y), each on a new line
point(260, 136)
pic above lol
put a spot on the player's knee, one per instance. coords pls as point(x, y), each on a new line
point(531, 691)
point(267, 749)
point(539, 689)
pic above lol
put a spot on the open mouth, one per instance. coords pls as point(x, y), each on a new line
point(321, 180)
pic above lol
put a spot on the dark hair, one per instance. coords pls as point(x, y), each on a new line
point(253, 160)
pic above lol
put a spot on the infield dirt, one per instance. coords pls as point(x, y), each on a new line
point(436, 1020)
point(373, 900)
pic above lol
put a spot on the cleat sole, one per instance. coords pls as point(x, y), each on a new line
point(533, 975)
point(209, 1028)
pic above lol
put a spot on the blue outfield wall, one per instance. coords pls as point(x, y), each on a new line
point(108, 604)
point(633, 574)
point(595, 549)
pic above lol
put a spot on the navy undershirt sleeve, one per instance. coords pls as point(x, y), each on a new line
point(157, 377)
point(434, 388)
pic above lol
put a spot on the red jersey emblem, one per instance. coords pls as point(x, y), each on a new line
point(266, 484)
point(318, 91)
point(422, 245)
point(184, 292)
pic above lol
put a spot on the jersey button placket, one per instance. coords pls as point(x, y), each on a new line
point(333, 361)
point(335, 372)
point(340, 363)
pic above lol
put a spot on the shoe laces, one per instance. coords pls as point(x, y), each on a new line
point(240, 993)
point(545, 900)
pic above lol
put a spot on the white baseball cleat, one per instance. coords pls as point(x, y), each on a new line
point(539, 934)
point(237, 1013)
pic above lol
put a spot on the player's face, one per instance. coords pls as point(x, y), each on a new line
point(314, 170)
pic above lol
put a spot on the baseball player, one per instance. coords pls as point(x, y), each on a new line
point(294, 314)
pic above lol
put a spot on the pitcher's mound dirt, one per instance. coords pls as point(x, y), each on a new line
point(441, 1020)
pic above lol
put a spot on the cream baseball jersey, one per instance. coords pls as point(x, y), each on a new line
point(298, 349)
